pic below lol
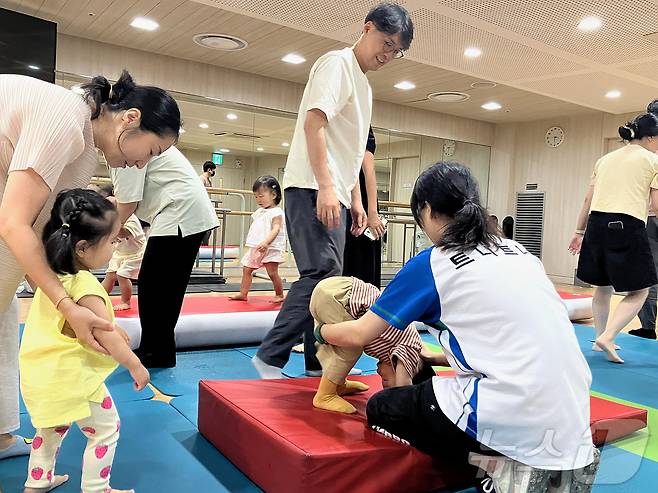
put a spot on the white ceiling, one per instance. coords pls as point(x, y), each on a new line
point(544, 66)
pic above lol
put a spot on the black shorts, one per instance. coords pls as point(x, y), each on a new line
point(616, 252)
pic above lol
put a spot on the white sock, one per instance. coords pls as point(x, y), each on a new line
point(267, 372)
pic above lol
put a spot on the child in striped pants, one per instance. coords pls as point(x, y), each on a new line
point(338, 299)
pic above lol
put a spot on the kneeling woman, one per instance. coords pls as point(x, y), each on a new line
point(521, 388)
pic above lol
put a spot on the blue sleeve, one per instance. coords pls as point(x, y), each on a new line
point(411, 296)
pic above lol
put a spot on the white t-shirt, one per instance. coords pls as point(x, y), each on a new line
point(169, 193)
point(522, 384)
point(262, 226)
point(338, 88)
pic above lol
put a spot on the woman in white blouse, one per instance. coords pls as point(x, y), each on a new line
point(49, 138)
point(169, 196)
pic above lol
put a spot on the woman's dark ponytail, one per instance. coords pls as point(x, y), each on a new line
point(98, 93)
point(645, 125)
point(160, 112)
point(122, 88)
point(450, 189)
point(78, 214)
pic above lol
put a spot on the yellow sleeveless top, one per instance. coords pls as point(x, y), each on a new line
point(60, 376)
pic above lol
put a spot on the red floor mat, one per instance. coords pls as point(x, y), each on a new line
point(207, 305)
point(271, 432)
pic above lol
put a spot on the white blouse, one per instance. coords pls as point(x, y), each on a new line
point(46, 128)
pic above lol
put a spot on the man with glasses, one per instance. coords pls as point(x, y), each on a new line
point(322, 170)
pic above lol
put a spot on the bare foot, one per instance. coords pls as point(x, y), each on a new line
point(238, 297)
point(121, 491)
point(57, 481)
point(599, 350)
point(609, 348)
point(278, 299)
point(121, 307)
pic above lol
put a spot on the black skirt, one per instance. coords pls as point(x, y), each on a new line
point(616, 252)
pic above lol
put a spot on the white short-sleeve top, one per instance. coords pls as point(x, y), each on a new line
point(171, 197)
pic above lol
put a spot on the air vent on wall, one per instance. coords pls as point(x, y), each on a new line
point(529, 225)
point(448, 97)
point(223, 42)
point(531, 186)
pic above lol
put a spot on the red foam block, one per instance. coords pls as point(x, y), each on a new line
point(271, 432)
point(611, 421)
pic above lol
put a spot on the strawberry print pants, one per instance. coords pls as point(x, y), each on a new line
point(102, 432)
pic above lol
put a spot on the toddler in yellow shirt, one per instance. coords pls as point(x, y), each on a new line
point(62, 381)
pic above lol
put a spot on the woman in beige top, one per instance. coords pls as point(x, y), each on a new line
point(614, 249)
point(49, 138)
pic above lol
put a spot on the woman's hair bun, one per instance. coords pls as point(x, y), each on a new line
point(122, 87)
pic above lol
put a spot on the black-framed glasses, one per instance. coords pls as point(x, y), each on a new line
point(390, 47)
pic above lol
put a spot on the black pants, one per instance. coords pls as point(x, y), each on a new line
point(163, 278)
point(363, 257)
point(413, 414)
point(318, 253)
point(647, 313)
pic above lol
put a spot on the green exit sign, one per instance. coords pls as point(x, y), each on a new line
point(217, 158)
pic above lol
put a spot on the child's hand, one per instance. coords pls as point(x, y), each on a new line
point(262, 248)
point(141, 377)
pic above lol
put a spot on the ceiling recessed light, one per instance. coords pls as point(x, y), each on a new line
point(144, 23)
point(232, 116)
point(181, 131)
point(33, 67)
point(590, 24)
point(613, 94)
point(293, 58)
point(225, 150)
point(77, 89)
point(472, 52)
point(492, 106)
point(285, 144)
point(260, 149)
point(203, 125)
point(405, 85)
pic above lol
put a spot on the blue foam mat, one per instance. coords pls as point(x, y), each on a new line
point(192, 366)
point(188, 406)
point(629, 381)
point(159, 452)
point(295, 368)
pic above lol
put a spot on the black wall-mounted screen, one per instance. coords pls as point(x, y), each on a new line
point(27, 45)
